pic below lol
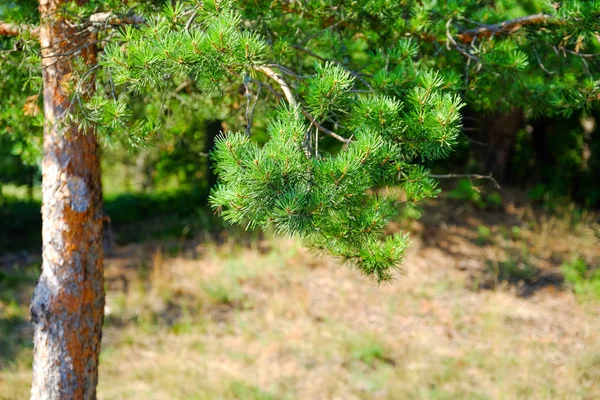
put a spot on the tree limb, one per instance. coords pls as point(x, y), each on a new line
point(323, 129)
point(281, 82)
point(109, 19)
point(470, 176)
point(9, 29)
point(96, 22)
point(506, 27)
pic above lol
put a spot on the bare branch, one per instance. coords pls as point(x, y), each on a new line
point(104, 19)
point(578, 54)
point(323, 129)
point(460, 49)
point(96, 22)
point(11, 30)
point(506, 27)
point(469, 176)
point(191, 20)
point(281, 82)
point(250, 109)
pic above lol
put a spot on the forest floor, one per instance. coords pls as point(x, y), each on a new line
point(479, 311)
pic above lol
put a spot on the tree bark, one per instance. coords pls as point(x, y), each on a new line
point(68, 302)
point(498, 132)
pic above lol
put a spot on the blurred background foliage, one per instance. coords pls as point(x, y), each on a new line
point(553, 156)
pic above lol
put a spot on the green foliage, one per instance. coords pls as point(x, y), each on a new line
point(483, 235)
point(514, 271)
point(362, 72)
point(583, 279)
point(327, 195)
point(467, 192)
point(369, 352)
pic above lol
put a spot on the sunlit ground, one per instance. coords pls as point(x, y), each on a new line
point(473, 315)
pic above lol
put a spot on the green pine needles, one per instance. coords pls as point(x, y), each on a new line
point(348, 99)
point(336, 196)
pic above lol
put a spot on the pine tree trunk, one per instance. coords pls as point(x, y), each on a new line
point(68, 302)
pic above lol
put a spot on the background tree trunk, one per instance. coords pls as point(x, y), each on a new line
point(213, 129)
point(68, 302)
point(498, 132)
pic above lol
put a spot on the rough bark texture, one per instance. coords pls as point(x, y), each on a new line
point(68, 302)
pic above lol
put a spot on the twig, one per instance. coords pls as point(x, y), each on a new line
point(281, 82)
point(104, 19)
point(458, 47)
point(288, 71)
point(250, 110)
point(95, 22)
point(583, 55)
point(470, 139)
point(540, 63)
point(505, 27)
point(470, 176)
point(191, 20)
point(323, 129)
point(292, 102)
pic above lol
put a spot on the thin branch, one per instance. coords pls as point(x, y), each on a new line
point(540, 63)
point(288, 71)
point(11, 30)
point(458, 47)
point(250, 110)
point(506, 27)
point(96, 22)
point(582, 55)
point(470, 176)
point(292, 102)
point(281, 82)
point(110, 19)
point(191, 20)
point(323, 129)
point(269, 88)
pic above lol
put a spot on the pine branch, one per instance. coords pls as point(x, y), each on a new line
point(506, 27)
point(292, 102)
point(323, 129)
point(281, 82)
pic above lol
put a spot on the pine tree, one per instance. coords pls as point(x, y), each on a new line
point(355, 97)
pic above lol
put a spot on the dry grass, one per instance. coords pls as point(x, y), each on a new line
point(271, 321)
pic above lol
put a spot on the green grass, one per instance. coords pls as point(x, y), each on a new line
point(164, 214)
point(583, 279)
point(249, 317)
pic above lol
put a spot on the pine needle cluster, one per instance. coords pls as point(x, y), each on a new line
point(300, 181)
